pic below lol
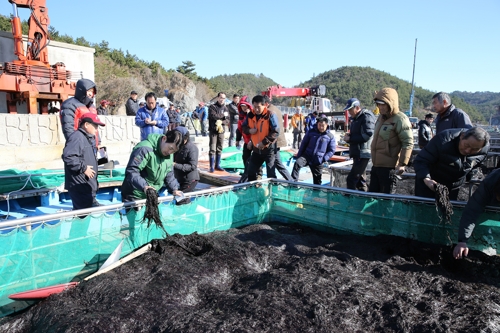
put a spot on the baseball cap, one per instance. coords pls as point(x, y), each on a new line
point(351, 103)
point(90, 117)
point(133, 92)
point(104, 102)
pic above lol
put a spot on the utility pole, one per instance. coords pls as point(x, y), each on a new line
point(413, 79)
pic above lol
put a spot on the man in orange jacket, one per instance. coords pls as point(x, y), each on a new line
point(262, 125)
point(298, 127)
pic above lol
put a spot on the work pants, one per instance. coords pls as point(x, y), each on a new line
point(382, 180)
point(82, 196)
point(203, 125)
point(356, 179)
point(297, 139)
point(232, 133)
point(216, 141)
point(315, 170)
point(280, 166)
point(256, 160)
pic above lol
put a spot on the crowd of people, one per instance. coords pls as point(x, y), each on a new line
point(165, 157)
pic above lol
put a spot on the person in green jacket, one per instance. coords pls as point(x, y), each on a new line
point(151, 166)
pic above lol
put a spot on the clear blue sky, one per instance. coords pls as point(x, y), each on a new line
point(289, 41)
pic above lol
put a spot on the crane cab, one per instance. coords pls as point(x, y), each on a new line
point(319, 104)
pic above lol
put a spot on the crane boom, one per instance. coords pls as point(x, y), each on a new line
point(279, 91)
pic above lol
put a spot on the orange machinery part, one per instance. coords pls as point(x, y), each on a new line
point(31, 79)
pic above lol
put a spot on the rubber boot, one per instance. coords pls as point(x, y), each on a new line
point(212, 164)
point(217, 163)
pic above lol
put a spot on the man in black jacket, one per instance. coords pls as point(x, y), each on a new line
point(487, 194)
point(359, 139)
point(132, 105)
point(425, 130)
point(448, 159)
point(233, 118)
point(448, 115)
point(186, 165)
point(217, 115)
point(80, 163)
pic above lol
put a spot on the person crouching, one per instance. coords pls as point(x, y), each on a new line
point(186, 165)
point(317, 147)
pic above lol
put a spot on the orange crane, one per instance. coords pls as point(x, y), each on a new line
point(313, 100)
point(31, 78)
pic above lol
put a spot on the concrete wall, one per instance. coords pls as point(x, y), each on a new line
point(36, 141)
point(77, 59)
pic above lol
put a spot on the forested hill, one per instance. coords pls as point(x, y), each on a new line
point(118, 71)
point(361, 82)
point(486, 102)
point(242, 84)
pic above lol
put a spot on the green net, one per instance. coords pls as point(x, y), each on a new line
point(67, 250)
point(71, 249)
point(336, 210)
point(15, 180)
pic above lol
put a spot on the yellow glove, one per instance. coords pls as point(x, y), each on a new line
point(218, 126)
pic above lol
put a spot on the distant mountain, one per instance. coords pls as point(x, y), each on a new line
point(486, 102)
point(361, 82)
point(242, 84)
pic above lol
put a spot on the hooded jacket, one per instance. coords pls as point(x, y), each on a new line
point(148, 166)
point(74, 108)
point(242, 116)
point(79, 152)
point(317, 147)
point(157, 114)
point(186, 163)
point(424, 133)
point(452, 118)
point(393, 138)
point(361, 134)
point(441, 160)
